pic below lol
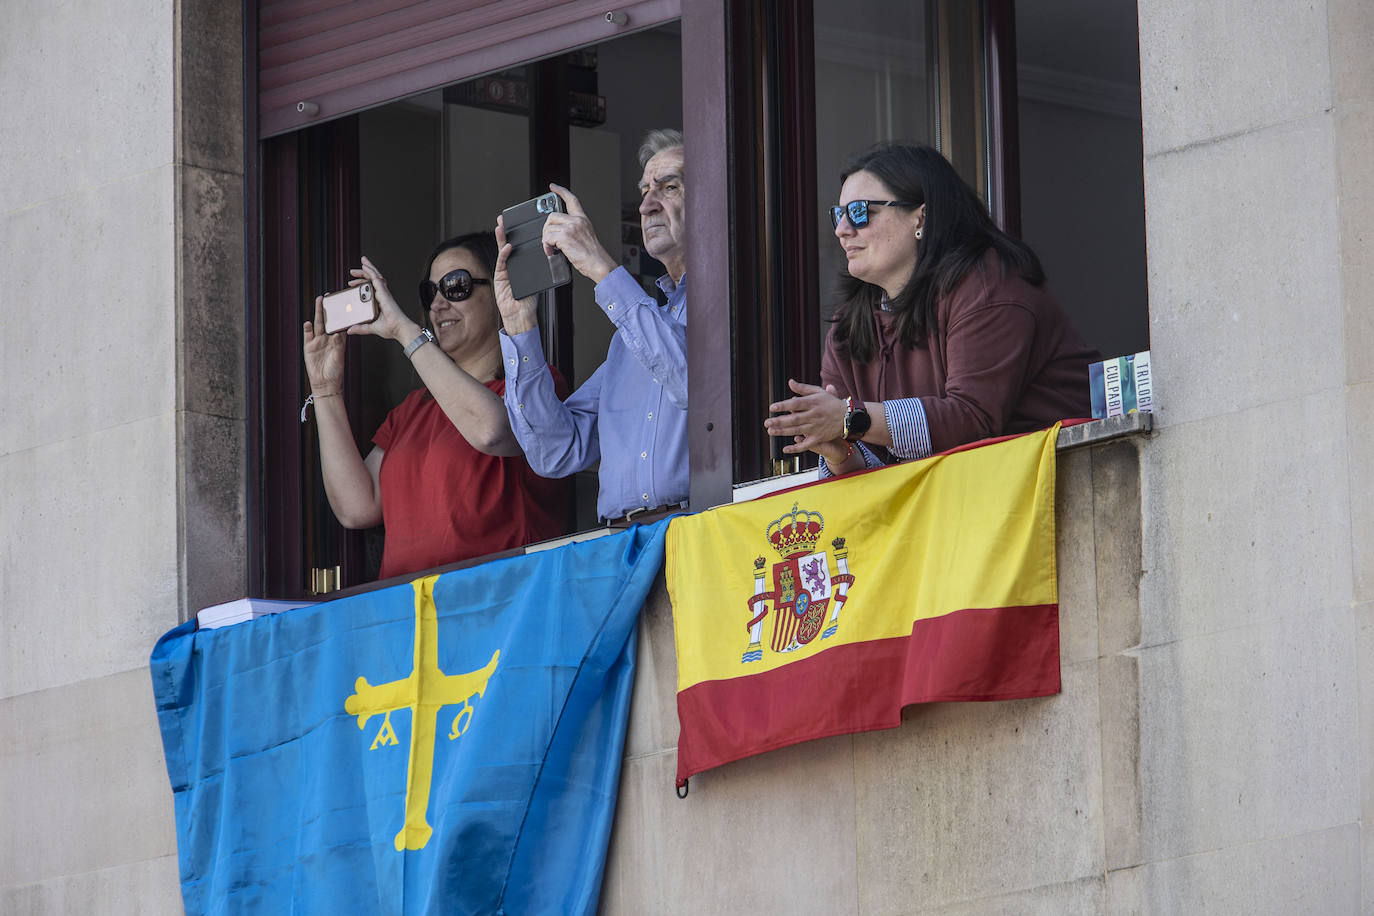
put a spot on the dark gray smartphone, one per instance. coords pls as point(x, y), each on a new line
point(530, 270)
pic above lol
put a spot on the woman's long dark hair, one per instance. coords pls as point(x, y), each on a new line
point(956, 234)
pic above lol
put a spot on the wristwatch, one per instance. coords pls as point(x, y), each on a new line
point(856, 420)
point(425, 336)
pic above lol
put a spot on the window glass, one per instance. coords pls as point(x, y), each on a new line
point(1082, 174)
point(875, 80)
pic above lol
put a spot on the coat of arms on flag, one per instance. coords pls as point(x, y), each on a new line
point(803, 586)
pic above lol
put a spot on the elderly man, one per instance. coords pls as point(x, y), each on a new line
point(631, 415)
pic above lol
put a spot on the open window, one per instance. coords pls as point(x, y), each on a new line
point(390, 182)
point(455, 118)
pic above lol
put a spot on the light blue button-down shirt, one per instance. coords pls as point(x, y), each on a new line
point(631, 414)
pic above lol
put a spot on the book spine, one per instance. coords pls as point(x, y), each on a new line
point(1111, 380)
point(1097, 392)
point(1144, 391)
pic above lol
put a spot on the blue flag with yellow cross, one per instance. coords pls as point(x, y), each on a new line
point(448, 746)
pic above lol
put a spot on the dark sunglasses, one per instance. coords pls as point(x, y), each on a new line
point(857, 211)
point(455, 286)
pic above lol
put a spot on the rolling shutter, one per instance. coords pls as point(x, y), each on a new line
point(334, 58)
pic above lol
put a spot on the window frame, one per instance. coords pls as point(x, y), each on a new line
point(733, 99)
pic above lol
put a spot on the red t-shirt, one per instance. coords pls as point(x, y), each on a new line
point(444, 501)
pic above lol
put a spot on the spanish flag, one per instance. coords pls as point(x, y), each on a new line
point(826, 609)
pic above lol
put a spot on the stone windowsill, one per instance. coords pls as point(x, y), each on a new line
point(1071, 437)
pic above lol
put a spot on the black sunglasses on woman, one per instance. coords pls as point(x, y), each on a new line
point(455, 286)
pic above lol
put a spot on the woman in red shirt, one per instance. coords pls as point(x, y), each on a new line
point(946, 333)
point(446, 476)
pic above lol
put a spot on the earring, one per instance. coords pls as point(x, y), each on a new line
point(918, 232)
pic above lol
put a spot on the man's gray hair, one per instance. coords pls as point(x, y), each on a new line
point(656, 141)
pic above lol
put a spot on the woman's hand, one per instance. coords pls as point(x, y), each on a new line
point(324, 354)
point(518, 315)
point(392, 322)
point(573, 234)
point(814, 419)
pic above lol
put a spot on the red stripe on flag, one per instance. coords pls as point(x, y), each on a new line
point(970, 655)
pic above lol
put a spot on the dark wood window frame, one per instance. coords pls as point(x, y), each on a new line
point(748, 65)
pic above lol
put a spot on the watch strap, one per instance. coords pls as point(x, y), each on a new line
point(425, 336)
point(856, 420)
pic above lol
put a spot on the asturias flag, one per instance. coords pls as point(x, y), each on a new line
point(826, 609)
point(448, 746)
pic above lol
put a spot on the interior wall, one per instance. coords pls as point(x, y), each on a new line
point(1082, 173)
point(871, 85)
point(1083, 212)
point(641, 77)
point(400, 211)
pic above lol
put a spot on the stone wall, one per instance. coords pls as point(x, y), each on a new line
point(1254, 655)
point(1210, 751)
point(121, 443)
point(1007, 807)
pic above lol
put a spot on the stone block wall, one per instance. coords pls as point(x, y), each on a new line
point(122, 457)
point(1024, 806)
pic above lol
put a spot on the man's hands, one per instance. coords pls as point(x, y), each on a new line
point(517, 315)
point(573, 234)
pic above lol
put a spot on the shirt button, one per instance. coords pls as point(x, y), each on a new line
point(522, 406)
point(512, 360)
point(644, 454)
point(524, 358)
point(651, 416)
point(611, 307)
point(646, 499)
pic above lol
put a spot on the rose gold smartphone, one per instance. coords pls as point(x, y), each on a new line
point(347, 307)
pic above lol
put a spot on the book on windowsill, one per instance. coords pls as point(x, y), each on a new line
point(1121, 386)
point(241, 609)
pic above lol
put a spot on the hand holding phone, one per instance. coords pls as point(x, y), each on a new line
point(530, 270)
point(347, 307)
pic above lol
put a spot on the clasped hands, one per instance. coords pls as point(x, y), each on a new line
point(814, 420)
point(571, 233)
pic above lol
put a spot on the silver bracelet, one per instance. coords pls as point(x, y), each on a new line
point(426, 336)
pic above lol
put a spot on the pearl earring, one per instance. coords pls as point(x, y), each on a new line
point(918, 233)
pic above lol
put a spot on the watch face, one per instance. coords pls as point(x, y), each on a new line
point(859, 421)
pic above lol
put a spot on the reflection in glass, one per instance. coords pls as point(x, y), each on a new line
point(874, 81)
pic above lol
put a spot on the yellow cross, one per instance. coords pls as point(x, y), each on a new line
point(423, 691)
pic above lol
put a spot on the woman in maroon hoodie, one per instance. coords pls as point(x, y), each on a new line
point(946, 333)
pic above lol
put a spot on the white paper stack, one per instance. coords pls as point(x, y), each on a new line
point(241, 609)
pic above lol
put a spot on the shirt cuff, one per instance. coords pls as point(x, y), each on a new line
point(618, 288)
point(870, 461)
point(520, 352)
point(906, 421)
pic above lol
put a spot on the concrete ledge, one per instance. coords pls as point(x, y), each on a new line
point(1134, 424)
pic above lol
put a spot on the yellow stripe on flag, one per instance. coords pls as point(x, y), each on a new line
point(873, 554)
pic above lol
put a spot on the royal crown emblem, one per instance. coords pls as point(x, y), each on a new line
point(796, 532)
point(804, 586)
